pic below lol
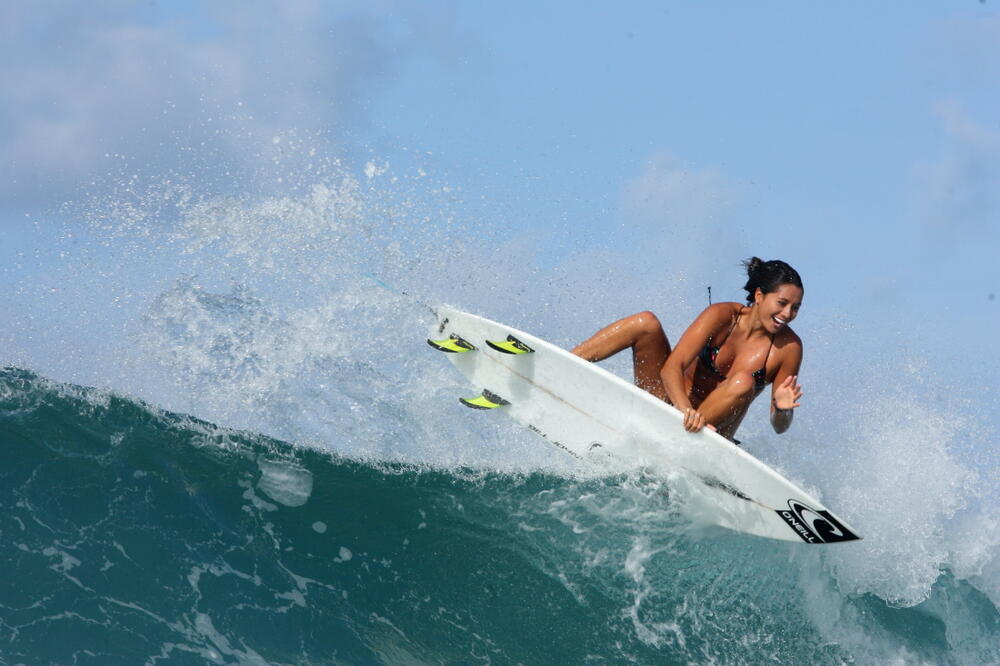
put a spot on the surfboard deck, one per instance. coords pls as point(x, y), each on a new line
point(583, 409)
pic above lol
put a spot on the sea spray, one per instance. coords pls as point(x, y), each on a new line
point(289, 324)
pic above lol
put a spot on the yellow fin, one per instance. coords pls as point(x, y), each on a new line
point(510, 346)
point(454, 345)
point(487, 400)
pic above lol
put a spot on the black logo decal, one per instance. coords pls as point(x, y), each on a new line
point(814, 526)
point(713, 482)
point(562, 446)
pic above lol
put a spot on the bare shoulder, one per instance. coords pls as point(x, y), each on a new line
point(787, 341)
point(718, 312)
point(712, 320)
point(786, 355)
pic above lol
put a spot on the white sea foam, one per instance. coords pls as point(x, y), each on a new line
point(300, 314)
point(285, 482)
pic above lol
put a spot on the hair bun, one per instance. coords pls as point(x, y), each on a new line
point(752, 264)
point(768, 276)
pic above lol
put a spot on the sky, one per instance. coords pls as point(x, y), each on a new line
point(859, 141)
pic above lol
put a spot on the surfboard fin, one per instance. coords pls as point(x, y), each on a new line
point(488, 400)
point(510, 346)
point(454, 344)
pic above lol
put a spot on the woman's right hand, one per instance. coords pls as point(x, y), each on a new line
point(693, 420)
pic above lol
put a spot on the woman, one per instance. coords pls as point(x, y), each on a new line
point(724, 359)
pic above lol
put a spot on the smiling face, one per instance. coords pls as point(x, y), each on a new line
point(779, 307)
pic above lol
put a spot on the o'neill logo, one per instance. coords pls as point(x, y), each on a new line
point(813, 525)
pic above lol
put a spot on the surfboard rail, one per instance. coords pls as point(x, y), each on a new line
point(579, 407)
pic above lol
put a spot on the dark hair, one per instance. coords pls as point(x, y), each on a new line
point(768, 276)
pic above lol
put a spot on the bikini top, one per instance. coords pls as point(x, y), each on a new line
point(709, 353)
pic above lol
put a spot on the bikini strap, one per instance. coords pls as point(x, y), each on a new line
point(732, 327)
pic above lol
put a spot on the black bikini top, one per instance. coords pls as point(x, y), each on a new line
point(709, 353)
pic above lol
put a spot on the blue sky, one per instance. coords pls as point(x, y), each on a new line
point(860, 141)
point(864, 137)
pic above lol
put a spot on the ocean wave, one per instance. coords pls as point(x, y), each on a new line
point(138, 535)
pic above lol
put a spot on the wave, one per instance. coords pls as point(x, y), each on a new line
point(329, 501)
point(131, 534)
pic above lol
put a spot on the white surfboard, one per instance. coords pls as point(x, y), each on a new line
point(583, 409)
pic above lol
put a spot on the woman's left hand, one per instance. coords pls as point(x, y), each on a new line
point(788, 393)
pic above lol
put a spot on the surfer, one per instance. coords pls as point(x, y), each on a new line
point(724, 359)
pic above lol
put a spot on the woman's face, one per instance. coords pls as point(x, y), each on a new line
point(780, 307)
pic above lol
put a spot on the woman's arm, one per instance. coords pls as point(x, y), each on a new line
point(786, 391)
point(697, 335)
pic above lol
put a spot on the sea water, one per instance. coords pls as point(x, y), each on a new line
point(224, 440)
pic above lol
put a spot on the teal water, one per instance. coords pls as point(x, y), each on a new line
point(275, 468)
point(131, 535)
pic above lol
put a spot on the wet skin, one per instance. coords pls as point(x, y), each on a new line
point(706, 398)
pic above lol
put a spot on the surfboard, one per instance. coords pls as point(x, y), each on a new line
point(587, 412)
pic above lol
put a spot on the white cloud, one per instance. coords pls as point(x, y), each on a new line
point(962, 193)
point(668, 196)
point(681, 217)
point(83, 80)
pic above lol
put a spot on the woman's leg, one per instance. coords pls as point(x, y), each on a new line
point(650, 348)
